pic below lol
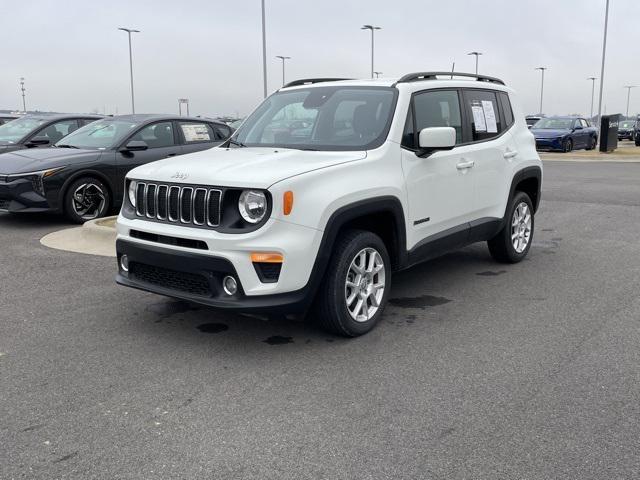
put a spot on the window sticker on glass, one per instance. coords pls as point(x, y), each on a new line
point(478, 118)
point(490, 116)
point(195, 133)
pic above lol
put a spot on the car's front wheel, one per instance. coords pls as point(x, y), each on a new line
point(356, 286)
point(567, 145)
point(86, 199)
point(513, 242)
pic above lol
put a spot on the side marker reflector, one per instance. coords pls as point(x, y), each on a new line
point(287, 202)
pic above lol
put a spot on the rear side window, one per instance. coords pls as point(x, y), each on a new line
point(194, 132)
point(506, 110)
point(585, 124)
point(482, 107)
point(434, 108)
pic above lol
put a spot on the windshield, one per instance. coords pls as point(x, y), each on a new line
point(100, 135)
point(626, 124)
point(17, 129)
point(320, 118)
point(554, 123)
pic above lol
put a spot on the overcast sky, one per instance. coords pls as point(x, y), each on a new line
point(74, 59)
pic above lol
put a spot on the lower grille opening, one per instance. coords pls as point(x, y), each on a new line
point(191, 283)
point(177, 241)
point(268, 272)
point(4, 204)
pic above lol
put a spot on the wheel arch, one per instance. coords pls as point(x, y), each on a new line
point(528, 180)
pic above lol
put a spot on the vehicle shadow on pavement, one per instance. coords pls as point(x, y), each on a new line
point(31, 220)
point(425, 293)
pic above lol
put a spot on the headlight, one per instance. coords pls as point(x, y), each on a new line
point(132, 192)
point(36, 178)
point(252, 205)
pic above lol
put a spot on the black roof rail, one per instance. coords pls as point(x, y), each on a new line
point(310, 81)
point(413, 77)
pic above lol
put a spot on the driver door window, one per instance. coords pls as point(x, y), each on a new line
point(156, 135)
point(57, 131)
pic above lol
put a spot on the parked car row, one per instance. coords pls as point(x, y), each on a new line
point(81, 173)
point(564, 134)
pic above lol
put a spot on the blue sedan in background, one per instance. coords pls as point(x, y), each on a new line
point(564, 134)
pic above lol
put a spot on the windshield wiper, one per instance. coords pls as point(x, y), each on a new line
point(231, 141)
point(66, 146)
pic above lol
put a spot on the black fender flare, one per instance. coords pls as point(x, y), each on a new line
point(524, 174)
point(347, 213)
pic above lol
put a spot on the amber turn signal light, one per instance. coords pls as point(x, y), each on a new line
point(262, 257)
point(287, 202)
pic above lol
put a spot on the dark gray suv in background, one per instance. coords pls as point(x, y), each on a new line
point(82, 176)
point(40, 130)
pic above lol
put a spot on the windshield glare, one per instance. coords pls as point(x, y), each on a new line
point(626, 124)
point(100, 135)
point(321, 118)
point(554, 123)
point(17, 129)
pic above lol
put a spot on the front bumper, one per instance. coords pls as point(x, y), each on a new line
point(549, 143)
point(20, 196)
point(193, 267)
point(625, 135)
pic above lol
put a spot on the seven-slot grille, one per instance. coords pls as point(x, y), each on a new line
point(179, 204)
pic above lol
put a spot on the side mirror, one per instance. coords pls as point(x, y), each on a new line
point(436, 138)
point(135, 146)
point(37, 141)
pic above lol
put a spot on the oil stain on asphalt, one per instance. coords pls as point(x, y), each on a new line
point(278, 340)
point(489, 273)
point(422, 301)
point(213, 327)
point(168, 309)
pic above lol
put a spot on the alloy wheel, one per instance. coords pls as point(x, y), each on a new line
point(521, 227)
point(365, 284)
point(88, 201)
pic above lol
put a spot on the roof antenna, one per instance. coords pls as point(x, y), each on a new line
point(453, 69)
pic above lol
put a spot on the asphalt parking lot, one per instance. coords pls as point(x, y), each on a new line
point(478, 370)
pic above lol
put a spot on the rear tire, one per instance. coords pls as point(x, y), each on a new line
point(513, 242)
point(86, 199)
point(356, 286)
point(593, 141)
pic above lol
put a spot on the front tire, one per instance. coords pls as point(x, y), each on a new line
point(86, 199)
point(513, 242)
point(567, 145)
point(356, 285)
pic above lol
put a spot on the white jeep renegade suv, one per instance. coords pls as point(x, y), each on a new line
point(329, 187)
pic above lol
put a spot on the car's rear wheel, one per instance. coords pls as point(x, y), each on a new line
point(593, 141)
point(86, 199)
point(513, 242)
point(356, 286)
point(567, 145)
point(638, 140)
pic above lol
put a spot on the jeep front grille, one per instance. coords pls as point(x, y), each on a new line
point(179, 204)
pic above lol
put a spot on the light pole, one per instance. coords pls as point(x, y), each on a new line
point(264, 51)
point(372, 28)
point(129, 32)
point(477, 54)
point(604, 52)
point(377, 74)
point(283, 58)
point(629, 87)
point(593, 89)
point(24, 104)
point(542, 69)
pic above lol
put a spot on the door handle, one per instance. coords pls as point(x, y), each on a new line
point(465, 164)
point(510, 154)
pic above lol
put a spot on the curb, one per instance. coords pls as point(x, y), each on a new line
point(95, 237)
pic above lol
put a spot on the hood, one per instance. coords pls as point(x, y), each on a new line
point(249, 167)
point(6, 147)
point(35, 159)
point(549, 133)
